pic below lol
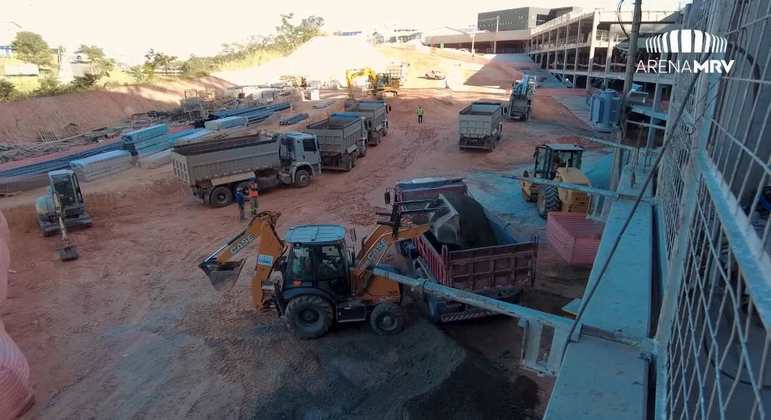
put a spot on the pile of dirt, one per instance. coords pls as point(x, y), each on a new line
point(23, 121)
point(323, 58)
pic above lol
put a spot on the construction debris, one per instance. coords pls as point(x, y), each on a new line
point(294, 119)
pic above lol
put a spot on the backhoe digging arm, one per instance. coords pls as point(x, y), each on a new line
point(223, 270)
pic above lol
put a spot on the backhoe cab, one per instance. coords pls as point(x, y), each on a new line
point(314, 278)
point(63, 200)
point(560, 163)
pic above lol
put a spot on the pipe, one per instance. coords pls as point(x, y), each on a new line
point(429, 287)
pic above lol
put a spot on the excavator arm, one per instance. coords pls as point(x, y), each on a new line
point(223, 270)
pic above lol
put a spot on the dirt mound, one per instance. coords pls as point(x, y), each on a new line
point(23, 121)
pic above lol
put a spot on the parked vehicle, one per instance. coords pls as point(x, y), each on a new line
point(466, 247)
point(342, 139)
point(375, 115)
point(215, 169)
point(435, 75)
point(480, 125)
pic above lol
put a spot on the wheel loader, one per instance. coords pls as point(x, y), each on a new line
point(559, 163)
point(313, 277)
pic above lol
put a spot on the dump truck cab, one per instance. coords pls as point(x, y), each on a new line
point(64, 184)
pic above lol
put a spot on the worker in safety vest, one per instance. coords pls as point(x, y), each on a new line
point(253, 194)
point(419, 111)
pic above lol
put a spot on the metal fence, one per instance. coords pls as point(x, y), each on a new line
point(713, 329)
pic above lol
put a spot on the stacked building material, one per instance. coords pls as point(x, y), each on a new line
point(193, 136)
point(15, 390)
point(253, 114)
point(146, 141)
point(294, 119)
point(574, 237)
point(155, 160)
point(101, 165)
point(227, 122)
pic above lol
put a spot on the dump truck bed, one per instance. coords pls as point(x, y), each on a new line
point(207, 160)
point(479, 120)
point(483, 257)
point(337, 134)
point(374, 111)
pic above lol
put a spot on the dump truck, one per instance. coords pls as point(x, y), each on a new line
point(466, 247)
point(342, 139)
point(215, 169)
point(480, 125)
point(521, 100)
point(375, 114)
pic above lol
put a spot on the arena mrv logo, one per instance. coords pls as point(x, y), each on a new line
point(686, 43)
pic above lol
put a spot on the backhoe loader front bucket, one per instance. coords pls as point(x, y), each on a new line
point(223, 276)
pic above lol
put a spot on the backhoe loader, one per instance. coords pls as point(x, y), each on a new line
point(313, 278)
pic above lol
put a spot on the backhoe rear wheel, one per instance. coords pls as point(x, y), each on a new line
point(309, 316)
point(548, 200)
point(387, 319)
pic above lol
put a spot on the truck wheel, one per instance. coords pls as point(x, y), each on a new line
point(387, 319)
point(385, 131)
point(309, 316)
point(435, 309)
point(302, 178)
point(240, 186)
point(362, 152)
point(220, 196)
point(548, 200)
point(353, 160)
point(347, 162)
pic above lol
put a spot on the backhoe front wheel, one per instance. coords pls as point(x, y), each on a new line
point(309, 316)
point(387, 319)
point(548, 200)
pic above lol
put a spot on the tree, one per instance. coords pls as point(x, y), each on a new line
point(101, 65)
point(49, 86)
point(31, 47)
point(7, 90)
point(155, 60)
point(289, 36)
point(197, 66)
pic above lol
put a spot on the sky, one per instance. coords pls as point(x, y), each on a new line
point(127, 29)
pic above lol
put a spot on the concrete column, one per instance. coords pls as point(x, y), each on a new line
point(592, 41)
point(609, 55)
point(575, 61)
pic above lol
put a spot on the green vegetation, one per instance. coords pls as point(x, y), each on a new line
point(32, 48)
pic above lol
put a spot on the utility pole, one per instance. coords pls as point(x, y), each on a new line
point(628, 81)
point(495, 40)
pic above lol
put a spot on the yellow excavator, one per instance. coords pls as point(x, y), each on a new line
point(313, 277)
point(378, 84)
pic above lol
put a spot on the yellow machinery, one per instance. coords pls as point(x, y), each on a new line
point(317, 278)
point(559, 163)
point(378, 84)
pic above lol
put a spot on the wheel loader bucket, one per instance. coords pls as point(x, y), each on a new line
point(68, 252)
point(223, 276)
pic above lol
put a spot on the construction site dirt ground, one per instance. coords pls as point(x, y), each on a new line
point(133, 329)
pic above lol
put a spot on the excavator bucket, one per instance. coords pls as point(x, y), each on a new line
point(68, 252)
point(223, 276)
